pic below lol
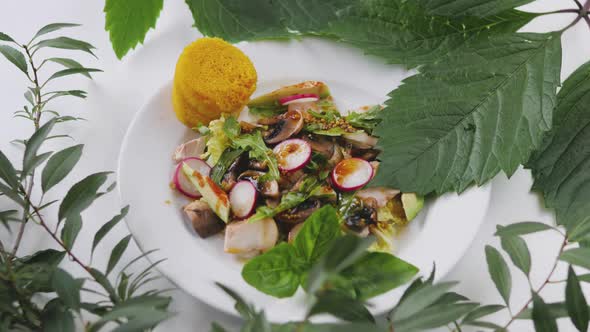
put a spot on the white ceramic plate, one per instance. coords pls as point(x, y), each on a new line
point(441, 233)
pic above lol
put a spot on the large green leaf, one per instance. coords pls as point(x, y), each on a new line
point(317, 233)
point(14, 56)
point(482, 109)
point(129, 21)
point(57, 318)
point(562, 167)
point(577, 256)
point(237, 20)
point(400, 32)
point(471, 7)
point(67, 288)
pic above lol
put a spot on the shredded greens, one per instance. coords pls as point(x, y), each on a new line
point(366, 120)
point(227, 158)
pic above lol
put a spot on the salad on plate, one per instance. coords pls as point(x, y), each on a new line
point(257, 177)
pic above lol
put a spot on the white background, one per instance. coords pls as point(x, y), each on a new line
point(116, 94)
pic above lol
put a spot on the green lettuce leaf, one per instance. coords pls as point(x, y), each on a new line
point(561, 168)
point(481, 110)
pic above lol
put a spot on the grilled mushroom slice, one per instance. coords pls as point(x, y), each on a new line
point(267, 188)
point(203, 219)
point(230, 177)
point(289, 124)
point(381, 195)
point(361, 140)
point(299, 213)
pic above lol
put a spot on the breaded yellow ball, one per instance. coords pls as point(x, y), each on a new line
point(212, 77)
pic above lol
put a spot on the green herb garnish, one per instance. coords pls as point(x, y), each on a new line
point(228, 156)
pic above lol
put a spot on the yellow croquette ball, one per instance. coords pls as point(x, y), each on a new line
point(212, 77)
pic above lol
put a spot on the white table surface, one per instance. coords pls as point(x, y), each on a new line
point(116, 94)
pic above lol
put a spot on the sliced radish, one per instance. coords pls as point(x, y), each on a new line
point(292, 154)
point(182, 183)
point(299, 98)
point(351, 174)
point(242, 199)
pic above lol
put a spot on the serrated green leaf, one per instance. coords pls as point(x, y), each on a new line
point(16, 57)
point(542, 317)
point(66, 43)
point(482, 311)
point(70, 230)
point(469, 121)
point(482, 8)
point(69, 63)
point(59, 166)
point(34, 143)
point(577, 256)
point(419, 300)
point(5, 37)
point(518, 251)
point(56, 318)
point(100, 234)
point(499, 272)
point(129, 21)
point(67, 288)
point(7, 171)
point(575, 302)
point(81, 195)
point(342, 306)
point(54, 27)
point(432, 317)
point(73, 71)
point(117, 252)
point(579, 231)
point(258, 19)
point(400, 32)
point(522, 228)
point(561, 168)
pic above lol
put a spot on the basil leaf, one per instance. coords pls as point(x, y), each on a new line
point(317, 234)
point(560, 167)
point(377, 272)
point(470, 121)
point(499, 272)
point(276, 272)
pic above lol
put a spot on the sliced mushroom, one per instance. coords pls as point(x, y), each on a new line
point(266, 188)
point(299, 213)
point(288, 180)
point(203, 219)
point(320, 144)
point(359, 220)
point(361, 140)
point(247, 238)
point(257, 165)
point(290, 124)
point(192, 148)
point(381, 195)
point(366, 154)
point(230, 177)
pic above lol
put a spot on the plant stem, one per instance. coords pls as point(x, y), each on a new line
point(547, 281)
point(561, 11)
point(36, 122)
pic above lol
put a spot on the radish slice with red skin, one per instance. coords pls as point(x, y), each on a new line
point(242, 199)
point(182, 183)
point(351, 174)
point(299, 98)
point(292, 154)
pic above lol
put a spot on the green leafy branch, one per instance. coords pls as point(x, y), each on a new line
point(21, 278)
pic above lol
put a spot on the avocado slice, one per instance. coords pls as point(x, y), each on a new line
point(212, 194)
point(272, 99)
point(412, 204)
